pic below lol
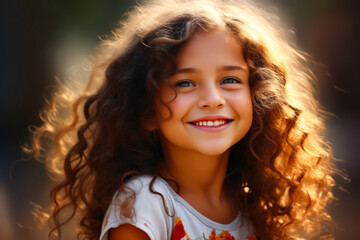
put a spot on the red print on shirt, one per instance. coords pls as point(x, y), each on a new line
point(224, 235)
point(179, 232)
point(251, 237)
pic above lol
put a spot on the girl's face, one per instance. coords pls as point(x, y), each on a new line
point(212, 110)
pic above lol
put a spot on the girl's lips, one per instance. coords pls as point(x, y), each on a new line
point(211, 122)
point(211, 125)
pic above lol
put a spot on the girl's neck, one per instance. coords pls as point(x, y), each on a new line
point(196, 174)
point(200, 179)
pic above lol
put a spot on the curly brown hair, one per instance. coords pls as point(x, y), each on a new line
point(95, 140)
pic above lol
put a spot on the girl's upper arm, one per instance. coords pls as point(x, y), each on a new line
point(127, 231)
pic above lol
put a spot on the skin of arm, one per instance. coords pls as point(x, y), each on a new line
point(127, 231)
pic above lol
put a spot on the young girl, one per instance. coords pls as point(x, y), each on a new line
point(198, 122)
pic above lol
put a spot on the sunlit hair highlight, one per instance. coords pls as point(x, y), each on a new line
point(96, 139)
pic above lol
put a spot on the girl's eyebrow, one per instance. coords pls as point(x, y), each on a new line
point(186, 70)
point(222, 68)
point(231, 68)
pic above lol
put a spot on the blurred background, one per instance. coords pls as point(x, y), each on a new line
point(43, 39)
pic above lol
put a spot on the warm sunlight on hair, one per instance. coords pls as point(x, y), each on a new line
point(98, 137)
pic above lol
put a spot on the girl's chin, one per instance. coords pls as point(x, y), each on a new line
point(213, 150)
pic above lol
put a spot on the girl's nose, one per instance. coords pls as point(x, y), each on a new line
point(211, 98)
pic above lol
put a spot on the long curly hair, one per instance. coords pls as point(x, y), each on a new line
point(94, 140)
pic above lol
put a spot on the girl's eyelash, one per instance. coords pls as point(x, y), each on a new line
point(230, 80)
point(184, 83)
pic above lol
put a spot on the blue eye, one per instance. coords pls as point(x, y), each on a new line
point(230, 80)
point(184, 84)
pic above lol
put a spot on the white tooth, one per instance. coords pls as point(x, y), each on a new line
point(216, 123)
point(205, 123)
point(197, 123)
point(200, 123)
point(210, 123)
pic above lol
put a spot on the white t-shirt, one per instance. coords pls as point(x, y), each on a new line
point(184, 221)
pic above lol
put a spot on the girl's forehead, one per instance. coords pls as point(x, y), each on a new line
point(214, 36)
point(215, 45)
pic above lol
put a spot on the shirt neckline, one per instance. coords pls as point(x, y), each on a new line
point(207, 221)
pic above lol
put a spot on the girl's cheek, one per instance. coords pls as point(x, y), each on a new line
point(242, 104)
point(242, 98)
point(182, 103)
point(171, 105)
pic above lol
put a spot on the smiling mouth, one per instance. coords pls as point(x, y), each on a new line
point(211, 123)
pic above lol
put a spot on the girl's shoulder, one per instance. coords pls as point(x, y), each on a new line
point(146, 184)
point(144, 203)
